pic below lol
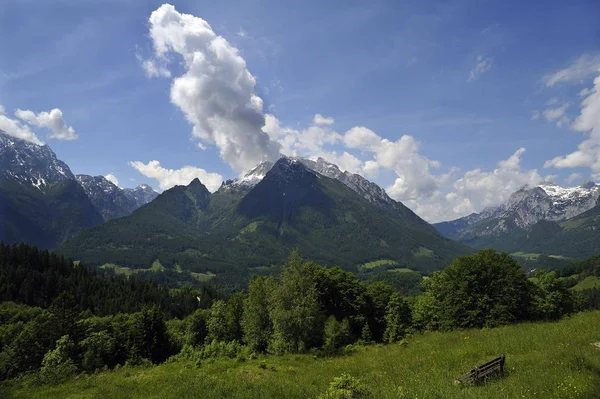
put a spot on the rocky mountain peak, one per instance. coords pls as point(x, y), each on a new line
point(30, 163)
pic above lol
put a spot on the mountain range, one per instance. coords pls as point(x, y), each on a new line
point(44, 204)
point(333, 217)
point(546, 219)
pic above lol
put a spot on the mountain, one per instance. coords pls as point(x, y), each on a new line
point(541, 219)
point(258, 219)
point(112, 201)
point(142, 194)
point(41, 203)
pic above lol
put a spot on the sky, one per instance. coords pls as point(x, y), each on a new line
point(449, 106)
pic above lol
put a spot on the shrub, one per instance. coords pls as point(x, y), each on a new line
point(345, 387)
point(57, 365)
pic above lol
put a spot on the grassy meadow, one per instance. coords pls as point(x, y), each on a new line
point(543, 360)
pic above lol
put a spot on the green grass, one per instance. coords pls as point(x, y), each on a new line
point(118, 269)
point(201, 277)
point(423, 252)
point(377, 263)
point(402, 270)
point(588, 282)
point(543, 360)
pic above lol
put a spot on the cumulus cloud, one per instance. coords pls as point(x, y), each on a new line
point(587, 122)
point(168, 178)
point(153, 69)
point(585, 66)
point(477, 189)
point(573, 177)
point(321, 120)
point(16, 128)
point(481, 65)
point(216, 92)
point(557, 115)
point(53, 121)
point(112, 178)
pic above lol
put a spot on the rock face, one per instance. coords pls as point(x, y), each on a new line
point(525, 208)
point(31, 164)
point(108, 199)
point(142, 194)
point(41, 203)
point(112, 201)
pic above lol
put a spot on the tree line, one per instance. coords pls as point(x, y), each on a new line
point(307, 308)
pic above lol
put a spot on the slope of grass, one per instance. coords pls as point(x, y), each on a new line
point(380, 262)
point(587, 283)
point(543, 360)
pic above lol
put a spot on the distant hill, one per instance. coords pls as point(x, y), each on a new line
point(541, 220)
point(257, 220)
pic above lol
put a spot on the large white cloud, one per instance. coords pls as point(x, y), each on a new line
point(588, 122)
point(16, 128)
point(216, 92)
point(52, 120)
point(168, 178)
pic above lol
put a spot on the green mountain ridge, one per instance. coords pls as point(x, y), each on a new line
point(236, 228)
point(47, 217)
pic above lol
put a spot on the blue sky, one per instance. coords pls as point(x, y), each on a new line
point(432, 100)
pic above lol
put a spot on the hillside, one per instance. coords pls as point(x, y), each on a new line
point(543, 360)
point(245, 226)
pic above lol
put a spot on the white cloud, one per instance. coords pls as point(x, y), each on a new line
point(53, 121)
point(585, 66)
point(17, 129)
point(112, 178)
point(362, 138)
point(481, 65)
point(216, 92)
point(573, 177)
point(2, 110)
point(588, 122)
point(168, 178)
point(321, 120)
point(154, 70)
point(557, 115)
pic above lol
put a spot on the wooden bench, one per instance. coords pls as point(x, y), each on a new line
point(487, 370)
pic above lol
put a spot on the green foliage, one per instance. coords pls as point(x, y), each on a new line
point(294, 308)
point(552, 298)
point(231, 230)
point(256, 323)
point(44, 217)
point(57, 364)
point(345, 387)
point(398, 318)
point(98, 350)
point(336, 335)
point(484, 289)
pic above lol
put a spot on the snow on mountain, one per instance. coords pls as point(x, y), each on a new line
point(142, 194)
point(112, 201)
point(524, 208)
point(359, 184)
point(30, 163)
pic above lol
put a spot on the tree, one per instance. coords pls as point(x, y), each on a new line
point(336, 335)
point(57, 364)
point(484, 289)
point(398, 318)
point(233, 317)
point(217, 322)
point(294, 308)
point(378, 295)
point(256, 323)
point(552, 298)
